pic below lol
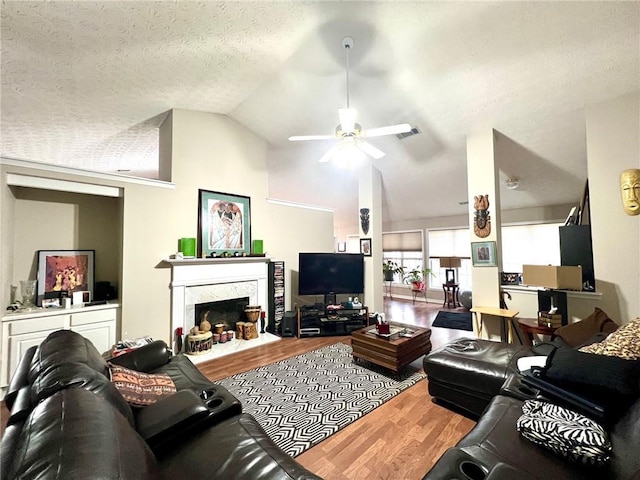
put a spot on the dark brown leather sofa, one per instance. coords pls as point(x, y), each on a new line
point(465, 375)
point(68, 421)
point(495, 450)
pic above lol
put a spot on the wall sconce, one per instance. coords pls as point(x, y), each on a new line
point(450, 263)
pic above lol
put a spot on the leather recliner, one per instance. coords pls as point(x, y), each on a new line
point(67, 420)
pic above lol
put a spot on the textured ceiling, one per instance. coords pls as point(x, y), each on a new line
point(87, 84)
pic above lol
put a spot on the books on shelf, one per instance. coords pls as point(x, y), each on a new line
point(551, 320)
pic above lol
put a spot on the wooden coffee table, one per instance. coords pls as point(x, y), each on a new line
point(394, 351)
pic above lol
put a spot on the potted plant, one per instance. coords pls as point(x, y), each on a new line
point(415, 277)
point(390, 269)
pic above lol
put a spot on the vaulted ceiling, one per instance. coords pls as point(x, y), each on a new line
point(87, 84)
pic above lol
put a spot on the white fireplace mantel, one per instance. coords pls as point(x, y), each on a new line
point(199, 280)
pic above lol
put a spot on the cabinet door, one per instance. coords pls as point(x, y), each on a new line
point(102, 335)
point(99, 326)
point(18, 344)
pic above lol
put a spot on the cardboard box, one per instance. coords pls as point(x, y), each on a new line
point(551, 276)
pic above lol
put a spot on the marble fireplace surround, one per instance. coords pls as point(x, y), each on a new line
point(204, 280)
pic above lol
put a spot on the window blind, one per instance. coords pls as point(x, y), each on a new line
point(449, 243)
point(530, 245)
point(402, 242)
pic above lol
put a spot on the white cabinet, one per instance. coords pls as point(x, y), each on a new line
point(98, 326)
point(23, 330)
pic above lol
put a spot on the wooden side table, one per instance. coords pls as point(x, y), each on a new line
point(529, 327)
point(506, 316)
point(451, 291)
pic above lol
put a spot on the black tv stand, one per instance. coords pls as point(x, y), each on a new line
point(323, 322)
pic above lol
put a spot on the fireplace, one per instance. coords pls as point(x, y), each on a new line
point(211, 280)
point(226, 312)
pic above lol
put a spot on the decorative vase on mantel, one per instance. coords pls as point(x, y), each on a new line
point(28, 290)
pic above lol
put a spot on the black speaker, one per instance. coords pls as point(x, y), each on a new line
point(576, 249)
point(289, 324)
point(104, 291)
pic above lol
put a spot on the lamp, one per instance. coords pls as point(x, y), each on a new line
point(450, 263)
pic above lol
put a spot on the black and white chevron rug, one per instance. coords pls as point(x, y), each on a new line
point(302, 400)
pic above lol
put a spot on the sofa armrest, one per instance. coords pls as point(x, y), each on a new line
point(171, 416)
point(503, 471)
point(22, 406)
point(146, 358)
point(19, 378)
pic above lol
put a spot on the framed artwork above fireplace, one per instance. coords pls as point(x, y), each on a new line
point(224, 224)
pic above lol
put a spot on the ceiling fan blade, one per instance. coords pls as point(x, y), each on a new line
point(390, 130)
point(347, 119)
point(330, 153)
point(370, 149)
point(299, 138)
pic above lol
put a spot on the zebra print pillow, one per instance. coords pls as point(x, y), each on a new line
point(565, 432)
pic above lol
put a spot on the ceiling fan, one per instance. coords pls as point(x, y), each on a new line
point(349, 133)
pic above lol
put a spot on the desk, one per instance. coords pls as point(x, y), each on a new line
point(505, 317)
point(450, 295)
point(529, 326)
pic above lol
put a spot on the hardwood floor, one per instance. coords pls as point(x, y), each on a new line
point(401, 439)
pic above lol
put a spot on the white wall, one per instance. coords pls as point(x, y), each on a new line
point(482, 178)
point(211, 152)
point(49, 220)
point(613, 130)
point(203, 151)
point(292, 230)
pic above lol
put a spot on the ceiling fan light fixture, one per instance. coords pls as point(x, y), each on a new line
point(347, 119)
point(348, 156)
point(349, 133)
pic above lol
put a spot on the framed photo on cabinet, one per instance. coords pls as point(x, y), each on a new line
point(63, 272)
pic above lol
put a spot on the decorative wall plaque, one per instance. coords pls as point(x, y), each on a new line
point(364, 220)
point(481, 219)
point(630, 187)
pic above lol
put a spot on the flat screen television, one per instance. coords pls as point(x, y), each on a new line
point(330, 273)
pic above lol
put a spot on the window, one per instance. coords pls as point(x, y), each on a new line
point(530, 245)
point(450, 243)
point(403, 248)
point(537, 244)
